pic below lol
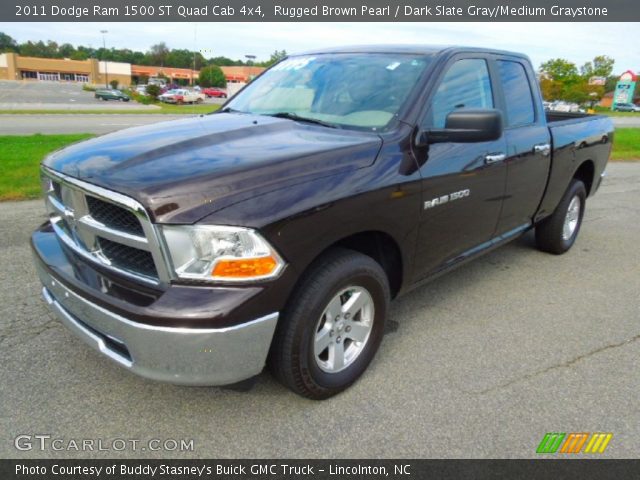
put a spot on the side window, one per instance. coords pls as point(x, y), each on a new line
point(517, 93)
point(465, 85)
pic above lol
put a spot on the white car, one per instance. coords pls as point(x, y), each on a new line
point(141, 89)
point(181, 96)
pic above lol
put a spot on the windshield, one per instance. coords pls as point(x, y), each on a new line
point(362, 91)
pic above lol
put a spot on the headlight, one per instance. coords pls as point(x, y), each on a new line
point(220, 253)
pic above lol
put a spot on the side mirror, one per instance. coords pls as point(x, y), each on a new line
point(465, 126)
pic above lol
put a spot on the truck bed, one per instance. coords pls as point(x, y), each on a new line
point(575, 138)
point(553, 118)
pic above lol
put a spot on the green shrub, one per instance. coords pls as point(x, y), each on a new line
point(114, 84)
point(153, 91)
point(212, 76)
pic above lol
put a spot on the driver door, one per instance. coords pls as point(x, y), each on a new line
point(462, 183)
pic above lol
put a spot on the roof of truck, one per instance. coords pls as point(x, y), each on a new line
point(408, 49)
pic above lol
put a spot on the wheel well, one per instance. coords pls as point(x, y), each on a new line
point(585, 173)
point(383, 249)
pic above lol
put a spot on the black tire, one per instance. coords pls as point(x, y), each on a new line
point(292, 359)
point(549, 232)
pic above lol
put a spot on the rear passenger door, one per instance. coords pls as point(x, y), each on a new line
point(528, 143)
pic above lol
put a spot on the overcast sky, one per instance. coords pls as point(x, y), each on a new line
point(577, 42)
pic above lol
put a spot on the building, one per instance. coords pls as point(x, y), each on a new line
point(16, 67)
point(241, 74)
point(92, 71)
point(173, 74)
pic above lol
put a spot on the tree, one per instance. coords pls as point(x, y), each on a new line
point(223, 61)
point(79, 55)
point(7, 44)
point(212, 76)
point(158, 53)
point(114, 84)
point(560, 69)
point(582, 92)
point(601, 66)
point(66, 50)
point(276, 56)
point(551, 89)
point(153, 91)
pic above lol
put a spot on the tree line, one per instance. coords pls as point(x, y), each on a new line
point(158, 55)
point(561, 79)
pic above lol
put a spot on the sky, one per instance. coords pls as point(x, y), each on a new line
point(577, 42)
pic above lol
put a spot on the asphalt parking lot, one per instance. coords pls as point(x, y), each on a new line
point(480, 363)
point(99, 123)
point(61, 96)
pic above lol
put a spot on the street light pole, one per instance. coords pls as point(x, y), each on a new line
point(104, 49)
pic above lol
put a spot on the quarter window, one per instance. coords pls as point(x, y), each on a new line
point(465, 85)
point(517, 93)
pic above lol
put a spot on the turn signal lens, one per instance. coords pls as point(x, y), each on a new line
point(245, 267)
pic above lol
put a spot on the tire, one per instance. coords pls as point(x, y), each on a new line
point(551, 234)
point(296, 359)
point(199, 100)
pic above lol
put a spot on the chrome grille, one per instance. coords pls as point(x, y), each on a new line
point(105, 227)
point(127, 257)
point(114, 216)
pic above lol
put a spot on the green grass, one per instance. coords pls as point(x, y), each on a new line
point(164, 109)
point(20, 157)
point(626, 144)
point(611, 113)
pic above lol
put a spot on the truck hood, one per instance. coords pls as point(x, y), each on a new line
point(186, 169)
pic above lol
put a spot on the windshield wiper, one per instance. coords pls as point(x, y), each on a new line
point(229, 110)
point(298, 118)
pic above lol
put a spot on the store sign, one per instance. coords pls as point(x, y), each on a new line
point(625, 88)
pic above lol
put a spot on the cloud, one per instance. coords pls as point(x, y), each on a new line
point(578, 42)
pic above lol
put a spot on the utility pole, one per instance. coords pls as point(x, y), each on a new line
point(104, 49)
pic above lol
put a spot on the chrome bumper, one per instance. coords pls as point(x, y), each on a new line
point(187, 356)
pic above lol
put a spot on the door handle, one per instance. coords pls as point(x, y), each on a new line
point(494, 158)
point(543, 148)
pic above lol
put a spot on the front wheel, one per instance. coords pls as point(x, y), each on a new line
point(557, 233)
point(332, 326)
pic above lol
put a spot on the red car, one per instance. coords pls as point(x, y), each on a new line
point(214, 92)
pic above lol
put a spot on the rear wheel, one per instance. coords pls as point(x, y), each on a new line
point(333, 325)
point(557, 233)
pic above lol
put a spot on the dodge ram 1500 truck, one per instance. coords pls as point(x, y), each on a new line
point(276, 230)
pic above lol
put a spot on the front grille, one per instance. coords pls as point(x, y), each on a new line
point(104, 227)
point(128, 258)
point(114, 216)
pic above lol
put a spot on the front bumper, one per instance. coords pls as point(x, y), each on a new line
point(182, 355)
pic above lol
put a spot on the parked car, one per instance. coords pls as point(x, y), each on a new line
point(157, 81)
point(181, 96)
point(279, 228)
point(141, 89)
point(626, 107)
point(214, 92)
point(111, 94)
point(560, 106)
